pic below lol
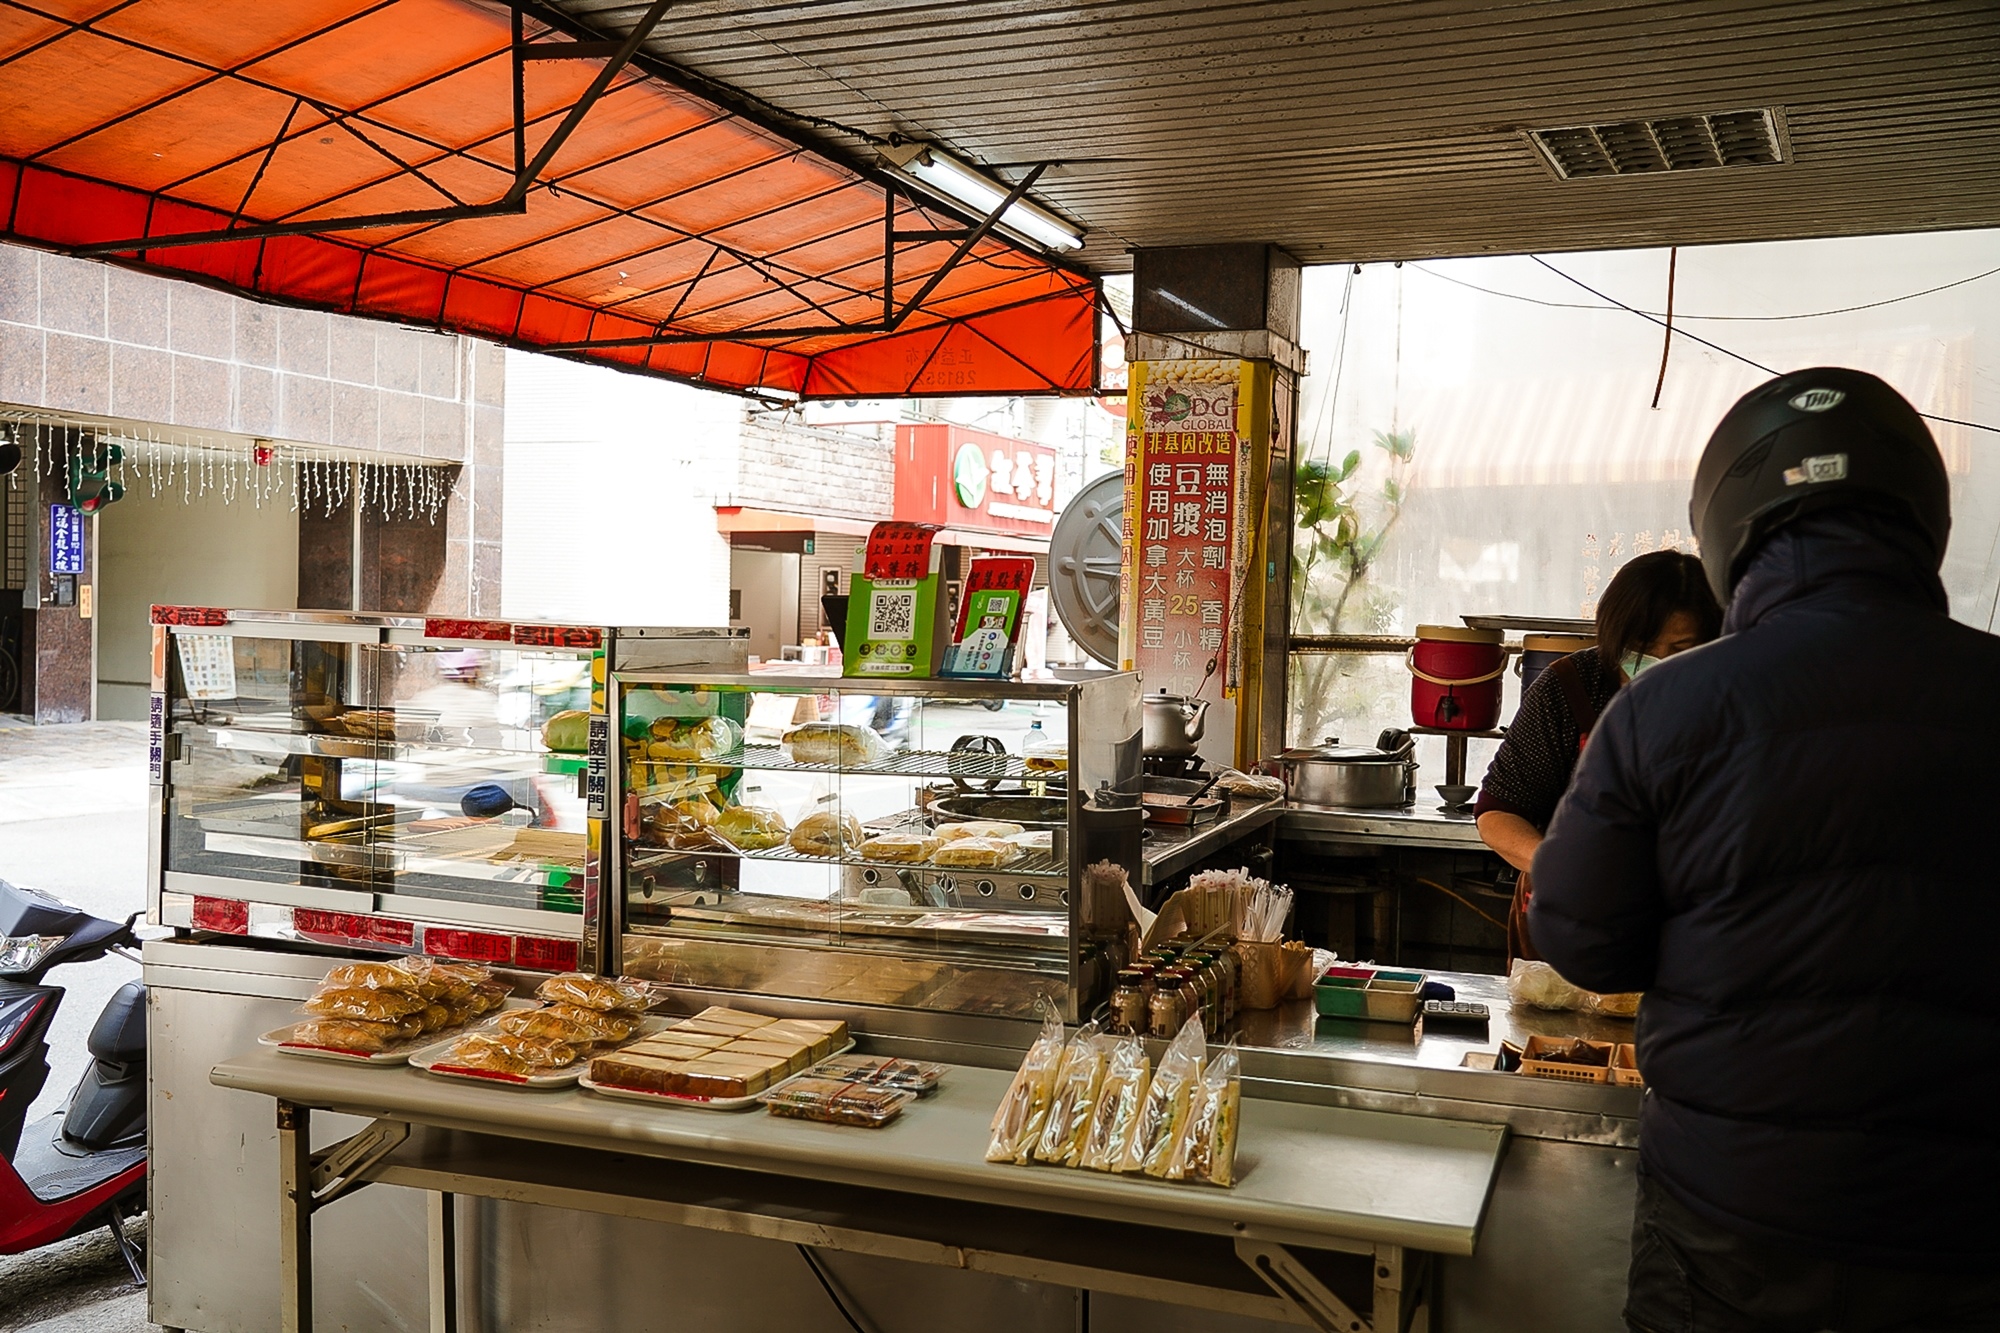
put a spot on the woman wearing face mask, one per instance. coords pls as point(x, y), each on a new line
point(1657, 605)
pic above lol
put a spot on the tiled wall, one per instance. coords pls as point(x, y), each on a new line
point(85, 337)
point(786, 465)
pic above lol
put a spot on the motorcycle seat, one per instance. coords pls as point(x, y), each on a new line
point(119, 1035)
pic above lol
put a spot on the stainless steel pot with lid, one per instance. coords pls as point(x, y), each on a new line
point(1381, 776)
point(1173, 723)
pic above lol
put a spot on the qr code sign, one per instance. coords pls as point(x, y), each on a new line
point(892, 613)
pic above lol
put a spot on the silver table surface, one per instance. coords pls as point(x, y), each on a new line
point(1170, 850)
point(1424, 824)
point(1295, 1028)
point(1308, 1174)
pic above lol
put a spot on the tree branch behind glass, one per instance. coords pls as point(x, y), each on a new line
point(1344, 513)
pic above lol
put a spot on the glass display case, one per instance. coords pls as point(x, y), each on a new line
point(381, 780)
point(944, 845)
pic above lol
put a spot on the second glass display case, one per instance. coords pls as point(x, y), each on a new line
point(940, 845)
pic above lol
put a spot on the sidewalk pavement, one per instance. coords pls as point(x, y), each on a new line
point(80, 1285)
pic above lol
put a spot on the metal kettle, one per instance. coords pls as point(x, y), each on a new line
point(1173, 723)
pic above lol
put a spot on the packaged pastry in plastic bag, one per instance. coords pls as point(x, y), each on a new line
point(547, 1023)
point(833, 743)
point(377, 1006)
point(1017, 1123)
point(348, 1034)
point(752, 828)
point(837, 1102)
point(599, 993)
point(1123, 1091)
point(878, 1071)
point(827, 833)
point(1077, 1086)
point(455, 981)
point(488, 996)
point(370, 976)
point(1539, 986)
point(506, 1054)
point(602, 1025)
point(1206, 1150)
point(1165, 1108)
point(686, 740)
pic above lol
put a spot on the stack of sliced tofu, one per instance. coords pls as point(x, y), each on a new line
point(719, 1054)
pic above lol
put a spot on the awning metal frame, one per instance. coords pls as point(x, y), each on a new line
point(527, 174)
point(764, 301)
point(616, 56)
point(892, 318)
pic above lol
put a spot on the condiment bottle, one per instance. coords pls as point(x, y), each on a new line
point(1167, 1010)
point(1130, 1011)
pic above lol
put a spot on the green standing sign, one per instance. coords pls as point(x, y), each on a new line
point(893, 626)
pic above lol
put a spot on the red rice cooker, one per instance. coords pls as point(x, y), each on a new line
point(1455, 678)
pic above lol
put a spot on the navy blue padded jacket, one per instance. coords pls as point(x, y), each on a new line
point(1784, 838)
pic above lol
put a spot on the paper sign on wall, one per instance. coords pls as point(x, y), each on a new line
point(208, 665)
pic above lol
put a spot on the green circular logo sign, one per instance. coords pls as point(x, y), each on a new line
point(968, 475)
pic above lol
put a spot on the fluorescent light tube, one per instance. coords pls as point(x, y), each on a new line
point(933, 167)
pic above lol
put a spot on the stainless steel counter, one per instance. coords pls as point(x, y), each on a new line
point(1295, 1027)
point(1308, 1176)
point(1425, 824)
point(1564, 1182)
point(1291, 1052)
point(1376, 1198)
point(1170, 850)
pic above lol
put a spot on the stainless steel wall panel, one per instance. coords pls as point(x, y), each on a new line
point(214, 1172)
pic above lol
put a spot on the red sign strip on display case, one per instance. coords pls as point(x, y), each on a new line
point(543, 955)
point(190, 615)
point(224, 916)
point(558, 636)
point(352, 928)
point(485, 631)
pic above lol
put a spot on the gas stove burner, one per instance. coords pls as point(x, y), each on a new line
point(1173, 766)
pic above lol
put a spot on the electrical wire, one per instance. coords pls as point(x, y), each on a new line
point(1655, 319)
point(1718, 347)
point(1463, 901)
point(1803, 314)
point(812, 1262)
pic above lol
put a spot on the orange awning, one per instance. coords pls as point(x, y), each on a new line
point(664, 232)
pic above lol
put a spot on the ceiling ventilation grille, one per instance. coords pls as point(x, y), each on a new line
point(1671, 143)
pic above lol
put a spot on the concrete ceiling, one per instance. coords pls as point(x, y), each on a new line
point(1383, 131)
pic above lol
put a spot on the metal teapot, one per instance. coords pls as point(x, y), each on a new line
point(1173, 724)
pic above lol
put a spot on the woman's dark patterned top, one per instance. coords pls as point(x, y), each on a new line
point(1533, 766)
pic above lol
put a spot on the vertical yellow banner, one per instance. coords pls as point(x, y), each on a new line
point(1192, 515)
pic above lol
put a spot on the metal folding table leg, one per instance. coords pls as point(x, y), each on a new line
point(443, 1260)
point(295, 1209)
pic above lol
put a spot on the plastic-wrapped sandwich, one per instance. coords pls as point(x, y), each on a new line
point(1109, 1135)
point(1165, 1108)
point(1024, 1110)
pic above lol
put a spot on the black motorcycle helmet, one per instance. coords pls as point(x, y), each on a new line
point(1813, 439)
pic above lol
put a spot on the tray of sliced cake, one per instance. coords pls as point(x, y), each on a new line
point(718, 1060)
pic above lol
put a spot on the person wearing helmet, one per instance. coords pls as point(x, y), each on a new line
point(1657, 605)
point(1777, 837)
